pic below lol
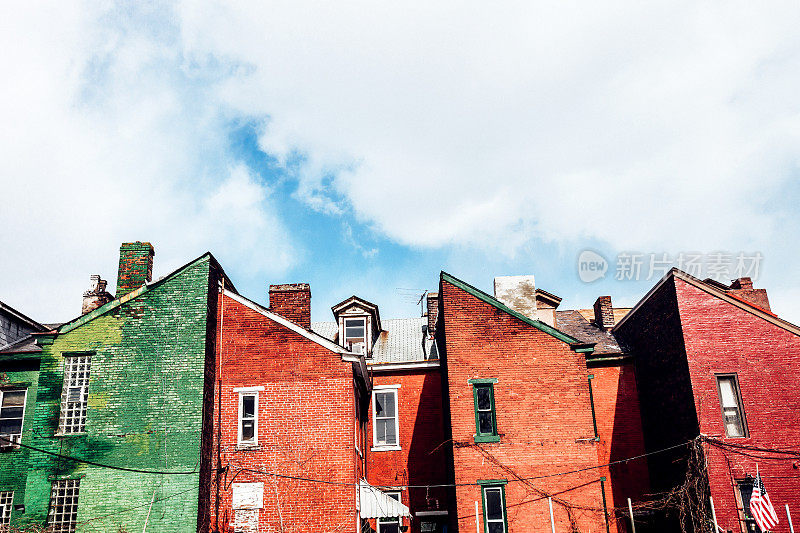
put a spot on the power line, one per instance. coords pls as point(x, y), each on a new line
point(324, 481)
point(85, 461)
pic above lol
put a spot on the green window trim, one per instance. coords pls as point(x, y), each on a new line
point(485, 384)
point(490, 485)
point(482, 381)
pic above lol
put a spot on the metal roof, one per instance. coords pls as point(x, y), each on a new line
point(402, 340)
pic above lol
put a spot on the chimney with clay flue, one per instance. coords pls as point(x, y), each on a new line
point(96, 296)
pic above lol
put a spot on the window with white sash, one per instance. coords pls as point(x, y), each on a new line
point(385, 424)
point(6, 500)
point(390, 525)
point(494, 509)
point(731, 401)
point(63, 517)
point(12, 412)
point(74, 394)
point(247, 432)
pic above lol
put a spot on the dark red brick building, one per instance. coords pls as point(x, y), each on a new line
point(713, 360)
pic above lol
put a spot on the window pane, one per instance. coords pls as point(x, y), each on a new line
point(11, 412)
point(13, 398)
point(484, 398)
point(248, 406)
point(485, 422)
point(380, 431)
point(496, 527)
point(248, 429)
point(727, 393)
point(391, 435)
point(494, 504)
point(12, 426)
point(733, 423)
point(384, 404)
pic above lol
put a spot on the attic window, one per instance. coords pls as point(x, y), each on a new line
point(355, 334)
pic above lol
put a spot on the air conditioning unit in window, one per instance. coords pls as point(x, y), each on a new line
point(356, 347)
point(10, 441)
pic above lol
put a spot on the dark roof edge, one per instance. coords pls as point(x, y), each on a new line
point(24, 318)
point(574, 343)
point(710, 289)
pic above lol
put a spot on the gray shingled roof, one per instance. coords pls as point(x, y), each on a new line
point(575, 324)
point(400, 341)
point(23, 345)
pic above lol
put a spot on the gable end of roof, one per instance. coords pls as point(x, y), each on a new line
point(574, 343)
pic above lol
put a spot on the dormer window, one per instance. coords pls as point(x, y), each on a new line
point(355, 334)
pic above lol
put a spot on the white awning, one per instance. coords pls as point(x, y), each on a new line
point(377, 504)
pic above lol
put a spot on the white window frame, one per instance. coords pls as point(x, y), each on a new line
point(15, 438)
point(364, 323)
point(61, 521)
point(247, 391)
point(503, 511)
point(393, 520)
point(6, 504)
point(392, 389)
point(68, 422)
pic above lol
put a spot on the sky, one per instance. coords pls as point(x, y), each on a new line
point(363, 147)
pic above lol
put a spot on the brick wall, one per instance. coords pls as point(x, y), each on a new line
point(722, 338)
point(619, 426)
point(292, 301)
point(144, 411)
point(654, 335)
point(422, 456)
point(135, 266)
point(306, 426)
point(543, 416)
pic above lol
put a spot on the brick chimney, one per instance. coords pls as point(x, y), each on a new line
point(603, 312)
point(292, 301)
point(743, 288)
point(135, 266)
point(517, 292)
point(432, 303)
point(96, 296)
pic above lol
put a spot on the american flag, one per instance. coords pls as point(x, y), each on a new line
point(761, 508)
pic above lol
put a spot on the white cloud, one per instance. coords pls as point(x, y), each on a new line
point(465, 123)
point(660, 126)
point(110, 136)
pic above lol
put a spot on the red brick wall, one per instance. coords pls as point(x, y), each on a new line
point(722, 338)
point(619, 426)
point(543, 416)
point(422, 455)
point(306, 425)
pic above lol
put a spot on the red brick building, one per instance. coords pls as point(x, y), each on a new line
point(712, 360)
point(518, 403)
point(406, 456)
point(289, 422)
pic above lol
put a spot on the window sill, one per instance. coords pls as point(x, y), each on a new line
point(247, 447)
point(385, 449)
point(487, 438)
point(83, 434)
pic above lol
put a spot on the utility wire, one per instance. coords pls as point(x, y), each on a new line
point(85, 461)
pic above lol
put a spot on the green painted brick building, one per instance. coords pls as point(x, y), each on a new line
point(127, 386)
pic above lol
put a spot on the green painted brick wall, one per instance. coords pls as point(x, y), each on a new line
point(145, 411)
point(19, 372)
